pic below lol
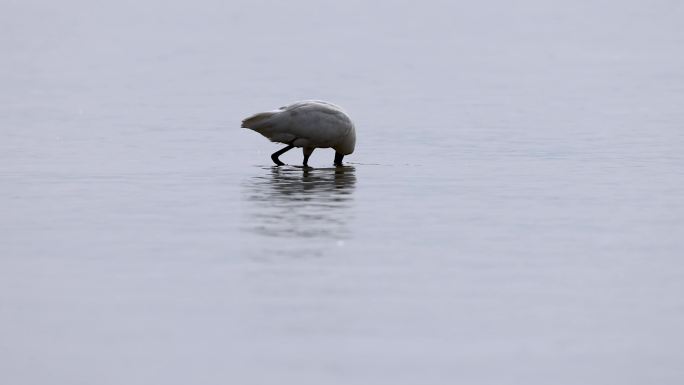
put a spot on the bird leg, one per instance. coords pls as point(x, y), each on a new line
point(338, 158)
point(307, 153)
point(278, 153)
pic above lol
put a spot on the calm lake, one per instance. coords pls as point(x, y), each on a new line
point(512, 214)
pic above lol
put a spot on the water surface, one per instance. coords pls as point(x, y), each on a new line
point(512, 214)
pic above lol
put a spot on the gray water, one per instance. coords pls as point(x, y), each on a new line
point(512, 214)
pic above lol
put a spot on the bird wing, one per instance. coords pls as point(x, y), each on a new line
point(322, 124)
point(310, 123)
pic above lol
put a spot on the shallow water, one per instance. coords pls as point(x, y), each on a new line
point(512, 214)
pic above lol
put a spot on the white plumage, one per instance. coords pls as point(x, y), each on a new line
point(308, 124)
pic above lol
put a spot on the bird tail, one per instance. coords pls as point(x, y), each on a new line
point(257, 121)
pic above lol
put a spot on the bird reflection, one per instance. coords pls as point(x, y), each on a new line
point(293, 202)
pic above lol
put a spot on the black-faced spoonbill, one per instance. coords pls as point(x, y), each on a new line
point(308, 124)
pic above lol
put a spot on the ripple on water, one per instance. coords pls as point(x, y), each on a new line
point(292, 203)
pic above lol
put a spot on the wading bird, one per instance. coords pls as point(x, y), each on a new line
point(308, 124)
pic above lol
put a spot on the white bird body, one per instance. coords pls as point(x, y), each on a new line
point(309, 124)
